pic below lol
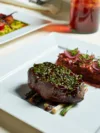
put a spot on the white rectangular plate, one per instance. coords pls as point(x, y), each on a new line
point(32, 20)
point(84, 118)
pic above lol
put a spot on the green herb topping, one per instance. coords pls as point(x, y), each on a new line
point(57, 75)
point(73, 52)
point(98, 62)
point(86, 58)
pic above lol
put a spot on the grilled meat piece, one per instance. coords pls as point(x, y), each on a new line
point(56, 83)
point(9, 19)
point(83, 64)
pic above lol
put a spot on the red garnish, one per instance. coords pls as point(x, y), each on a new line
point(6, 19)
point(68, 54)
point(2, 15)
point(9, 19)
point(2, 25)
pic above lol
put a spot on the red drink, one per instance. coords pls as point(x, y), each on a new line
point(85, 15)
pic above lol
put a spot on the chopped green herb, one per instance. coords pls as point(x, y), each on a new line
point(73, 52)
point(85, 56)
point(58, 75)
point(99, 62)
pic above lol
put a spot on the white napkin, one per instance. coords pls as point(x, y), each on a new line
point(52, 6)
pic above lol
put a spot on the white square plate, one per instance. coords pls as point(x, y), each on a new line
point(82, 119)
point(32, 20)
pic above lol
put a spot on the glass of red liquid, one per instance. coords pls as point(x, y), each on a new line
point(85, 15)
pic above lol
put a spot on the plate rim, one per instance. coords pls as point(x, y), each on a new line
point(22, 31)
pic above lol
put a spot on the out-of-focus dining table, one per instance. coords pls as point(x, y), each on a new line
point(8, 122)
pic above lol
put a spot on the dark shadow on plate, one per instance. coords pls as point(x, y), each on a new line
point(98, 130)
point(22, 90)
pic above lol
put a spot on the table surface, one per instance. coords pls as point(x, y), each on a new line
point(16, 44)
point(2, 130)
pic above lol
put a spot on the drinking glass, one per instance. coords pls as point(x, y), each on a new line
point(85, 15)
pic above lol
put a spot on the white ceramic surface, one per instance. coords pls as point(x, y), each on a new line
point(33, 22)
point(82, 119)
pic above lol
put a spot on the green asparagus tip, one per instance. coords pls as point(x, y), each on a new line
point(66, 109)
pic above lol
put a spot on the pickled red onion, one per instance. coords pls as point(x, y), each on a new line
point(95, 67)
point(70, 56)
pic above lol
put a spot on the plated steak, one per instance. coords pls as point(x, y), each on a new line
point(56, 83)
point(86, 65)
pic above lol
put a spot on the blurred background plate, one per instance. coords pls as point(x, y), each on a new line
point(33, 22)
point(62, 16)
